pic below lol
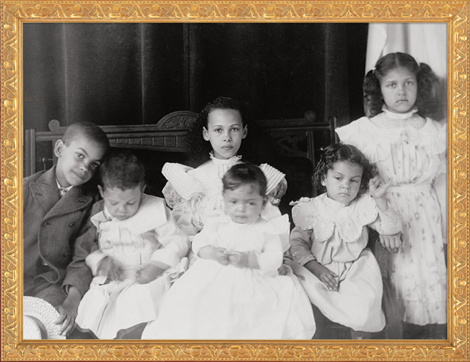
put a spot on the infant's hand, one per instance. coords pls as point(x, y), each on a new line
point(220, 256)
point(391, 243)
point(324, 274)
point(149, 273)
point(377, 187)
point(238, 259)
point(284, 269)
point(279, 191)
point(111, 269)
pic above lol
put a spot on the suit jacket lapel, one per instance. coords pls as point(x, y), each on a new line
point(72, 201)
point(45, 190)
point(47, 194)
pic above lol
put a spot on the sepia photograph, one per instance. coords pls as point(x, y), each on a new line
point(231, 187)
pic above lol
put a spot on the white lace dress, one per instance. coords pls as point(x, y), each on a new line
point(336, 236)
point(192, 194)
point(214, 301)
point(150, 235)
point(411, 152)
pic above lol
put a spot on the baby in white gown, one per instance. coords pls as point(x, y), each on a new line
point(233, 290)
point(140, 251)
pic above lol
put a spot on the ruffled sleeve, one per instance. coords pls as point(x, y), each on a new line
point(274, 177)
point(181, 182)
point(182, 193)
point(279, 226)
point(371, 140)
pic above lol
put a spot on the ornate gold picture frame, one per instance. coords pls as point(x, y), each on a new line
point(16, 12)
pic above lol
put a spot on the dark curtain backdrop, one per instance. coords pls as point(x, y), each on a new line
point(137, 73)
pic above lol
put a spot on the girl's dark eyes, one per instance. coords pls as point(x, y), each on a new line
point(95, 165)
point(80, 155)
point(235, 129)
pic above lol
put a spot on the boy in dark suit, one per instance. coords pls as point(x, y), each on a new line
point(56, 206)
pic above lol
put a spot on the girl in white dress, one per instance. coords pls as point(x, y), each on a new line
point(328, 244)
point(233, 290)
point(408, 148)
point(140, 251)
point(216, 138)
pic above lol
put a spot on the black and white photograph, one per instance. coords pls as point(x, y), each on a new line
point(235, 181)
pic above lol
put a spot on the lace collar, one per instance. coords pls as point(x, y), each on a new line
point(325, 215)
point(394, 115)
point(224, 162)
point(150, 215)
point(333, 203)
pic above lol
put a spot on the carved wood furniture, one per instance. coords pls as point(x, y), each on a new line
point(293, 137)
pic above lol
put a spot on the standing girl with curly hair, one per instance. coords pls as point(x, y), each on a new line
point(408, 147)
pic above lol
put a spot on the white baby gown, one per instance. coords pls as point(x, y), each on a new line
point(213, 301)
point(336, 236)
point(150, 235)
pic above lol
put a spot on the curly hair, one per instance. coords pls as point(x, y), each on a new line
point(338, 152)
point(245, 174)
point(121, 169)
point(426, 101)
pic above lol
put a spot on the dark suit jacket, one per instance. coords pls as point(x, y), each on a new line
point(51, 227)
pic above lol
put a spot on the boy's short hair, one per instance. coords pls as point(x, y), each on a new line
point(88, 130)
point(121, 169)
point(245, 174)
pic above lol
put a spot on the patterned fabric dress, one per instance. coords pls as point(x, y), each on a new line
point(411, 152)
point(215, 301)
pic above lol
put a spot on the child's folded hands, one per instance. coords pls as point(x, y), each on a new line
point(214, 253)
point(240, 259)
point(149, 273)
point(111, 269)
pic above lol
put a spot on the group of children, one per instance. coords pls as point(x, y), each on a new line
point(217, 260)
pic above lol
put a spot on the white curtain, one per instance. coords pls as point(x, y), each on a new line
point(426, 42)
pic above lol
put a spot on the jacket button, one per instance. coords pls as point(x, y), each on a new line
point(71, 224)
point(66, 254)
point(45, 223)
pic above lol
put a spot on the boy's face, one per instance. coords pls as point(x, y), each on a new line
point(343, 182)
point(244, 204)
point(122, 204)
point(225, 132)
point(77, 162)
